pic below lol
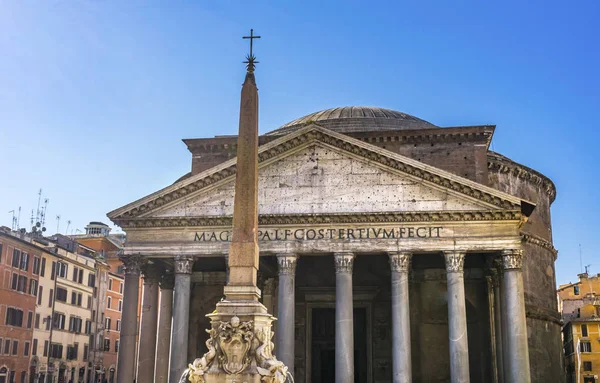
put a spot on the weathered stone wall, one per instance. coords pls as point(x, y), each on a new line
point(539, 278)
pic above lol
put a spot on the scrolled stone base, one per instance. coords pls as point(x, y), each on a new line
point(240, 349)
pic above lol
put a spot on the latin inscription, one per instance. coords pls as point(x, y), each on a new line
point(327, 234)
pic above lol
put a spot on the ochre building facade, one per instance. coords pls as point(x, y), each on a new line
point(436, 244)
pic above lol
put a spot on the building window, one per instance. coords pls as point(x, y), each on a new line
point(120, 287)
point(62, 269)
point(585, 347)
point(106, 344)
point(22, 285)
point(576, 290)
point(89, 305)
point(61, 294)
point(107, 323)
point(40, 291)
point(584, 330)
point(120, 269)
point(91, 280)
point(6, 346)
point(0, 346)
point(16, 258)
point(0, 253)
point(15, 281)
point(59, 321)
point(85, 351)
point(45, 348)
point(43, 268)
point(47, 321)
point(116, 346)
point(76, 298)
point(110, 284)
point(88, 327)
point(23, 376)
point(24, 262)
point(37, 320)
point(29, 319)
point(33, 287)
point(587, 366)
point(75, 324)
point(34, 348)
point(71, 352)
point(15, 347)
point(50, 297)
point(56, 350)
point(120, 305)
point(26, 349)
point(36, 265)
point(14, 317)
point(118, 325)
point(108, 302)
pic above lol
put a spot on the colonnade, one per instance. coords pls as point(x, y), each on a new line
point(155, 363)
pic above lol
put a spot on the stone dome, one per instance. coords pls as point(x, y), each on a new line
point(349, 119)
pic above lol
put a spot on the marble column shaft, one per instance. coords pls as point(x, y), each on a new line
point(148, 327)
point(128, 334)
point(344, 318)
point(499, 328)
point(517, 350)
point(164, 329)
point(181, 316)
point(401, 351)
point(286, 316)
point(457, 317)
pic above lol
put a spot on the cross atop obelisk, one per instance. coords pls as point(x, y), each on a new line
point(243, 252)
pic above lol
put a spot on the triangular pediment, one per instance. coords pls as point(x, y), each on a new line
point(318, 172)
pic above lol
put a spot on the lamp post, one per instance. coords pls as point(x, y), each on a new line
point(48, 373)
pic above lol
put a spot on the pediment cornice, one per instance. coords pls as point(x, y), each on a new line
point(276, 149)
point(330, 219)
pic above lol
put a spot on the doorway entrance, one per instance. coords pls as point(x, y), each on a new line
point(323, 345)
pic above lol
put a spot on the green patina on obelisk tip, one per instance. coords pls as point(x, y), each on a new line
point(243, 252)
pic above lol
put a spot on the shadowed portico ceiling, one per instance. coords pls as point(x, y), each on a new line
point(499, 204)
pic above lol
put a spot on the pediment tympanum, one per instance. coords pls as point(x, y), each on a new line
point(315, 172)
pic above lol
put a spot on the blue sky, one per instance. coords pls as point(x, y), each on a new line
point(95, 96)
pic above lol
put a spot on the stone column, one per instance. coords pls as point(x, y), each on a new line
point(401, 353)
point(181, 317)
point(457, 317)
point(164, 328)
point(517, 350)
point(128, 334)
point(149, 321)
point(498, 326)
point(344, 318)
point(286, 310)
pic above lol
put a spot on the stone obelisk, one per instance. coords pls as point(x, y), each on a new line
point(239, 344)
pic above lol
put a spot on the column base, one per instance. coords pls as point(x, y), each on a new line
point(239, 346)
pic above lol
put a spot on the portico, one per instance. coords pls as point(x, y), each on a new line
point(379, 268)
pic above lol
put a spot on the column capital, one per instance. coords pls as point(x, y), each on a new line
point(183, 264)
point(512, 259)
point(167, 280)
point(455, 261)
point(286, 263)
point(150, 273)
point(400, 261)
point(343, 262)
point(132, 263)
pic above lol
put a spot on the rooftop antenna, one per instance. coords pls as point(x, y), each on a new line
point(43, 212)
point(68, 224)
point(14, 219)
point(57, 223)
point(37, 212)
point(19, 219)
point(31, 218)
point(587, 268)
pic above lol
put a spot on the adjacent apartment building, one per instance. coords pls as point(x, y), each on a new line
point(579, 304)
point(97, 237)
point(20, 266)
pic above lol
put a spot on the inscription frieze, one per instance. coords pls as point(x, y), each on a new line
point(313, 234)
